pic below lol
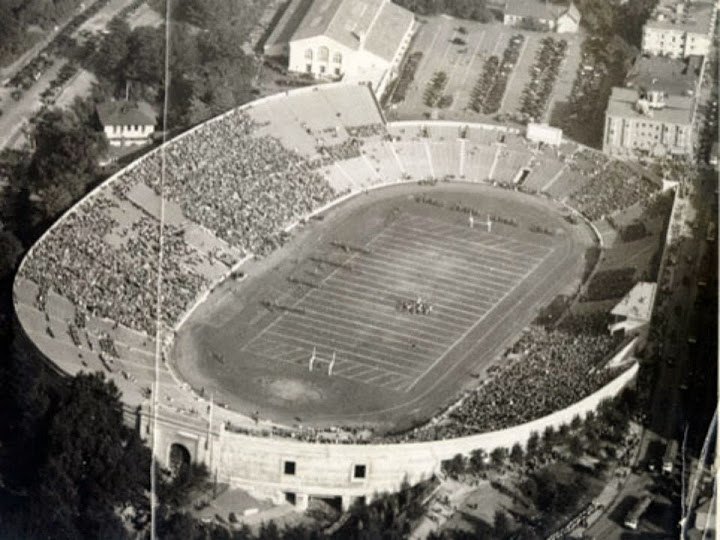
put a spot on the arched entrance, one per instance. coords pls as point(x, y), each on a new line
point(179, 460)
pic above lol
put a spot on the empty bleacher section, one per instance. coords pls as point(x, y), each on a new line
point(86, 293)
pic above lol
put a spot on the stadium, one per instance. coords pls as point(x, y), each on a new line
point(345, 301)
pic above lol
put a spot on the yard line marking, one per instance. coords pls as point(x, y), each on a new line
point(448, 324)
point(481, 292)
point(440, 305)
point(495, 251)
point(402, 333)
point(468, 332)
point(492, 265)
point(343, 353)
point(359, 297)
point(480, 234)
point(322, 281)
point(330, 330)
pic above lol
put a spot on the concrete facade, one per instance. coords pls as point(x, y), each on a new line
point(284, 469)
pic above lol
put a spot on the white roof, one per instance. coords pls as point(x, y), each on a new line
point(637, 304)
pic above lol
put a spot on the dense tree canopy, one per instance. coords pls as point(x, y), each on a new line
point(18, 16)
point(84, 465)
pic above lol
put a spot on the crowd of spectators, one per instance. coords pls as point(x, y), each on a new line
point(608, 284)
point(613, 187)
point(367, 130)
point(544, 72)
point(240, 187)
point(348, 149)
point(546, 370)
point(244, 189)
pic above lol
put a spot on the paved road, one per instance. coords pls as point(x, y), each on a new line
point(17, 113)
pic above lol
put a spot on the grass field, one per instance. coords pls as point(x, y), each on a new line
point(462, 272)
point(337, 286)
point(463, 63)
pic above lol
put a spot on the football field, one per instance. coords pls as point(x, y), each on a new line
point(354, 314)
point(411, 300)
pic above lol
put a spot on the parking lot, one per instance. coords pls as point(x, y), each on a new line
point(465, 70)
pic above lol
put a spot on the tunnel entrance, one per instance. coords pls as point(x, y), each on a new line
point(179, 460)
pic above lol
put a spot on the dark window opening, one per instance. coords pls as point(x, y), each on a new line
point(359, 471)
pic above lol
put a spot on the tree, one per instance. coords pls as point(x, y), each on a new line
point(498, 456)
point(501, 525)
point(454, 467)
point(517, 454)
point(533, 444)
point(65, 159)
point(575, 446)
point(478, 458)
point(89, 464)
point(109, 62)
point(10, 251)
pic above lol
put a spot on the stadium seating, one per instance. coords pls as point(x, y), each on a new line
point(87, 292)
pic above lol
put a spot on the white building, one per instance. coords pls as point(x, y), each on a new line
point(679, 28)
point(648, 124)
point(541, 15)
point(127, 122)
point(544, 133)
point(653, 115)
point(356, 40)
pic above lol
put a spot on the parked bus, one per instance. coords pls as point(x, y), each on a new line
point(669, 457)
point(633, 517)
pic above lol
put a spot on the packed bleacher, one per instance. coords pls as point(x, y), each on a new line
point(230, 188)
point(546, 370)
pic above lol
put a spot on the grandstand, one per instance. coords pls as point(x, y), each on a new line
point(230, 189)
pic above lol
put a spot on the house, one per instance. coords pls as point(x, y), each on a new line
point(354, 40)
point(568, 22)
point(541, 15)
point(127, 123)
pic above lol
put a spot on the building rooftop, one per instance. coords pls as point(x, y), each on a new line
point(694, 17)
point(126, 113)
point(289, 21)
point(388, 31)
point(377, 26)
point(677, 77)
point(573, 12)
point(677, 110)
point(637, 304)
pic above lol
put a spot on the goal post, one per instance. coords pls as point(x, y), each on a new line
point(315, 359)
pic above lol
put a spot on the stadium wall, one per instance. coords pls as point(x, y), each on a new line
point(258, 464)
